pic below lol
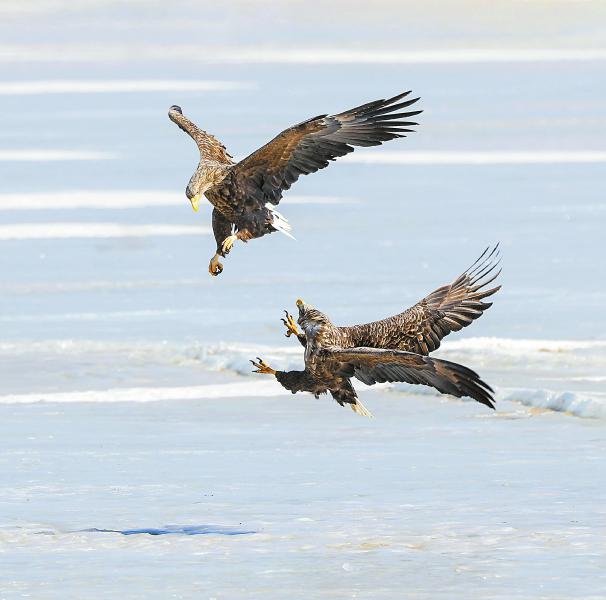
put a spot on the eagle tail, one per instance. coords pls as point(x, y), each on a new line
point(360, 409)
point(279, 221)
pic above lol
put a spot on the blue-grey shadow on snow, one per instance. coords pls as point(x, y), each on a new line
point(175, 530)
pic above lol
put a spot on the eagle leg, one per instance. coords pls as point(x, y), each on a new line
point(262, 367)
point(291, 328)
point(291, 325)
point(215, 267)
point(228, 244)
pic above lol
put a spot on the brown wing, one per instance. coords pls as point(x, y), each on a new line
point(210, 147)
point(309, 146)
point(451, 307)
point(372, 365)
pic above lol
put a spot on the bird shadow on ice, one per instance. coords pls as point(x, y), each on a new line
point(174, 530)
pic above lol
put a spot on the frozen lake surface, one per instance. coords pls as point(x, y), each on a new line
point(433, 498)
point(142, 459)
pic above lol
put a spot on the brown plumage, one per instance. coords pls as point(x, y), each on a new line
point(394, 349)
point(421, 327)
point(243, 194)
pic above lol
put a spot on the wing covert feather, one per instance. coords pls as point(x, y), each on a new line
point(422, 327)
point(311, 145)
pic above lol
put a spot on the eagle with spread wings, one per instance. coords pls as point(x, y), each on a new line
point(395, 349)
point(244, 194)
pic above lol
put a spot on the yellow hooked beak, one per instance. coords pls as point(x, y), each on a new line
point(300, 303)
point(195, 202)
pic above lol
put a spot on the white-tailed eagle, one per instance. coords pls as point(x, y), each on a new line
point(394, 349)
point(244, 194)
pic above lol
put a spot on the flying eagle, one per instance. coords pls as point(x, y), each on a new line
point(394, 349)
point(244, 194)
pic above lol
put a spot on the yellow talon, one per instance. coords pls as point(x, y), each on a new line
point(291, 326)
point(228, 244)
point(215, 267)
point(262, 367)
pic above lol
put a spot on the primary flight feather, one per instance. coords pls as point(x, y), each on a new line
point(244, 194)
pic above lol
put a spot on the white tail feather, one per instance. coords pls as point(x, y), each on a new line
point(280, 222)
point(360, 409)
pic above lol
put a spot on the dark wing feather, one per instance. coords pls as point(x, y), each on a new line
point(372, 365)
point(451, 307)
point(454, 306)
point(309, 146)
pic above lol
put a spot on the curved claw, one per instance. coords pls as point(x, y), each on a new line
point(215, 267)
point(262, 367)
point(291, 326)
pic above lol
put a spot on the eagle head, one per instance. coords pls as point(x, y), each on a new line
point(310, 317)
point(195, 189)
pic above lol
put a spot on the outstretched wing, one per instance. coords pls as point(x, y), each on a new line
point(372, 365)
point(421, 328)
point(209, 146)
point(309, 146)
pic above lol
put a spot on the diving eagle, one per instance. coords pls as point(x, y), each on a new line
point(244, 194)
point(394, 349)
